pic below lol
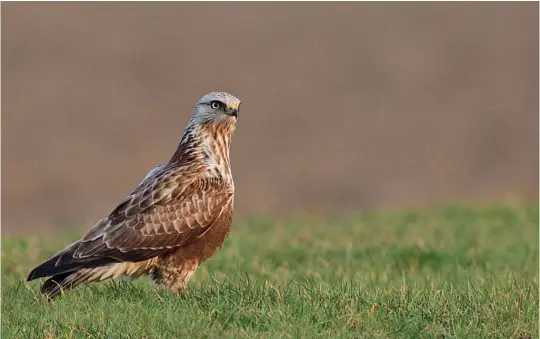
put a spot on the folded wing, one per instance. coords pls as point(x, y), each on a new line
point(164, 212)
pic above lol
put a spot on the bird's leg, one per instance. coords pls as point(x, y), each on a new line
point(174, 276)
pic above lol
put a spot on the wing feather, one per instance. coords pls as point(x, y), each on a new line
point(167, 212)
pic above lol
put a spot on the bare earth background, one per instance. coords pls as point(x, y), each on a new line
point(346, 106)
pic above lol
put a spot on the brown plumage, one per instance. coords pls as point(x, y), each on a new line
point(176, 218)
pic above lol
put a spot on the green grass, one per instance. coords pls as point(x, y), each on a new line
point(450, 272)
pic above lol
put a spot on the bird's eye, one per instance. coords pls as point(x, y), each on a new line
point(215, 104)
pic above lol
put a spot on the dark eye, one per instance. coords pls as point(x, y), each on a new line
point(215, 104)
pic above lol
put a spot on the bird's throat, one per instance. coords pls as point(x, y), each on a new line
point(207, 143)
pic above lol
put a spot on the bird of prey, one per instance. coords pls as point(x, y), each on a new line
point(176, 218)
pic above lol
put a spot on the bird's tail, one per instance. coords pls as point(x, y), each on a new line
point(59, 283)
point(66, 271)
point(65, 262)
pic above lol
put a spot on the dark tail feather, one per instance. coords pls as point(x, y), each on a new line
point(53, 286)
point(52, 268)
point(57, 284)
point(66, 272)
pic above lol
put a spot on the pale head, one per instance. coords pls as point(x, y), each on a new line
point(210, 128)
point(216, 107)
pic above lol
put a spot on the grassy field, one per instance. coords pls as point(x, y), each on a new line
point(449, 272)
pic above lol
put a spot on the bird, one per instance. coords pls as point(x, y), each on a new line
point(175, 219)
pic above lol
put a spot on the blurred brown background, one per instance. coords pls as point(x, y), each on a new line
point(346, 106)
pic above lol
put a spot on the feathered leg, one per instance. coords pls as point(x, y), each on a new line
point(173, 275)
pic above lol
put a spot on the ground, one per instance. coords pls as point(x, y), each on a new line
point(443, 272)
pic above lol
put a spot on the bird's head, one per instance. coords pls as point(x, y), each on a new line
point(212, 125)
point(216, 108)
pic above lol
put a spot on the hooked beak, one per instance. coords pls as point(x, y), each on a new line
point(234, 110)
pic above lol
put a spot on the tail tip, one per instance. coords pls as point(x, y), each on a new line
point(31, 275)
